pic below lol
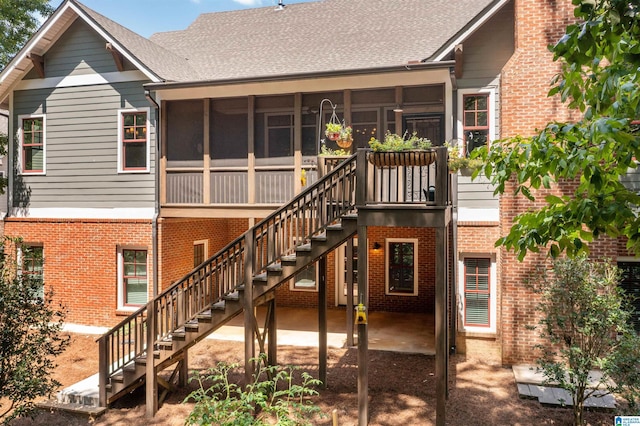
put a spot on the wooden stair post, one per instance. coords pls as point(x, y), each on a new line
point(322, 320)
point(249, 310)
point(151, 379)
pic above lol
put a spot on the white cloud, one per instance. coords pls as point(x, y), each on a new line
point(250, 3)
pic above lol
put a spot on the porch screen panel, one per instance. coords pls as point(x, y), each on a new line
point(185, 130)
point(476, 292)
point(229, 136)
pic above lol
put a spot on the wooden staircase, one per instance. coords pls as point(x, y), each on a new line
point(296, 235)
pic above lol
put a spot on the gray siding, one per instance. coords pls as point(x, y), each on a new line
point(81, 148)
point(476, 194)
point(485, 54)
point(79, 51)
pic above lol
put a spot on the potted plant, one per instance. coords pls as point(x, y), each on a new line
point(458, 162)
point(333, 130)
point(346, 137)
point(329, 159)
point(395, 150)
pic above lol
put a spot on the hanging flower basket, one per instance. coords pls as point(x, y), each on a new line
point(344, 143)
point(334, 136)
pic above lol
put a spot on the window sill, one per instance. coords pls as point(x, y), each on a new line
point(125, 312)
point(489, 334)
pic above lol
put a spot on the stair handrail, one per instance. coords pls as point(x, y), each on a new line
point(127, 341)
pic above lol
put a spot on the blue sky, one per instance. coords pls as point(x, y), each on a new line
point(151, 16)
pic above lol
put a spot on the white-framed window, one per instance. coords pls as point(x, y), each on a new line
point(401, 266)
point(134, 140)
point(630, 284)
point(31, 261)
point(477, 290)
point(476, 117)
point(200, 252)
point(33, 146)
point(305, 280)
point(133, 279)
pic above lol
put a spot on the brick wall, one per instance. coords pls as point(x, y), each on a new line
point(80, 261)
point(525, 107)
point(178, 235)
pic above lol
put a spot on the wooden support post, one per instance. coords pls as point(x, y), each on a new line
point(442, 352)
point(363, 337)
point(349, 270)
point(249, 310)
point(183, 373)
point(151, 379)
point(272, 336)
point(103, 368)
point(322, 320)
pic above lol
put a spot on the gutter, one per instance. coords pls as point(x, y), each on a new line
point(284, 77)
point(156, 213)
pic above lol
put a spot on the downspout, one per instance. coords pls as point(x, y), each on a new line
point(156, 213)
point(454, 218)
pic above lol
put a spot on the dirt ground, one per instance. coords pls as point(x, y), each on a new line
point(401, 389)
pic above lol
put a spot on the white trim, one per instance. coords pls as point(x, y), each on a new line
point(81, 80)
point(493, 293)
point(471, 30)
point(84, 329)
point(83, 213)
point(491, 107)
point(120, 282)
point(20, 170)
point(467, 214)
point(206, 247)
point(416, 282)
point(148, 142)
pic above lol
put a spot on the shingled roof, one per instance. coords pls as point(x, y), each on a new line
point(321, 36)
point(164, 63)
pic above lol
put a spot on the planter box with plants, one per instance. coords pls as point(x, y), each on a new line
point(396, 150)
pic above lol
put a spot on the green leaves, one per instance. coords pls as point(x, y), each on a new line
point(19, 20)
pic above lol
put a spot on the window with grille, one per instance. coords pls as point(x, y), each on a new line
point(133, 277)
point(33, 144)
point(33, 267)
point(134, 141)
point(477, 292)
point(475, 121)
point(401, 267)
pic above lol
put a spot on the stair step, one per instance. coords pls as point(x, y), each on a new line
point(165, 344)
point(219, 306)
point(232, 296)
point(275, 268)
point(118, 378)
point(260, 278)
point(191, 325)
point(320, 237)
point(179, 334)
point(304, 248)
point(142, 360)
point(289, 258)
point(205, 316)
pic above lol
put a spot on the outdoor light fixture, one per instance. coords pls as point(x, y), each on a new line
point(376, 246)
point(398, 108)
